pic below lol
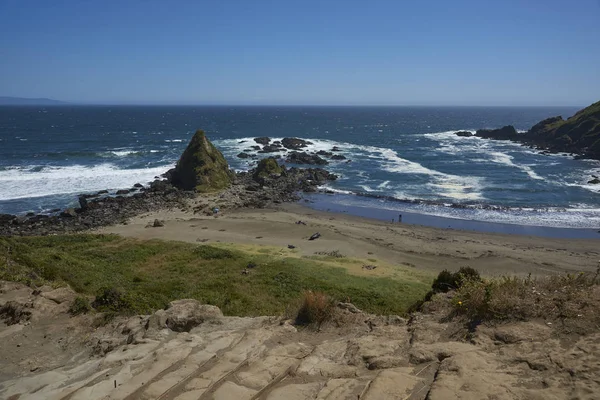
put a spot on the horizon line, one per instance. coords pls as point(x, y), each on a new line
point(116, 104)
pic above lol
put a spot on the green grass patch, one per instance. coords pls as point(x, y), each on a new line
point(141, 276)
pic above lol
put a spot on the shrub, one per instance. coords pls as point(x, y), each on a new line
point(315, 309)
point(80, 305)
point(447, 280)
point(110, 299)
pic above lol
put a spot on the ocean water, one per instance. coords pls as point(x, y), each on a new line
point(48, 155)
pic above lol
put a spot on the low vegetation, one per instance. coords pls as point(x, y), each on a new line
point(571, 301)
point(135, 276)
point(315, 309)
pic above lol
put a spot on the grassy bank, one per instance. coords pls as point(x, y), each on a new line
point(149, 274)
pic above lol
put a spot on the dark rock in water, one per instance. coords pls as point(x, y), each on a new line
point(305, 158)
point(242, 141)
point(464, 134)
point(243, 155)
point(505, 133)
point(324, 153)
point(338, 157)
point(294, 143)
point(267, 167)
point(122, 191)
point(270, 149)
point(255, 147)
point(262, 140)
point(335, 148)
point(594, 181)
point(138, 185)
point(202, 167)
point(319, 175)
point(248, 151)
point(102, 192)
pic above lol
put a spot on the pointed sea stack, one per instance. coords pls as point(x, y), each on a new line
point(201, 167)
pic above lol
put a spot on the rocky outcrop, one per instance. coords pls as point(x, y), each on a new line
point(295, 143)
point(296, 157)
point(579, 134)
point(505, 133)
point(262, 140)
point(363, 356)
point(201, 167)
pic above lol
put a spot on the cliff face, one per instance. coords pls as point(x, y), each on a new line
point(579, 134)
point(201, 167)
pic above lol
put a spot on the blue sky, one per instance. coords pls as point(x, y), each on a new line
point(505, 52)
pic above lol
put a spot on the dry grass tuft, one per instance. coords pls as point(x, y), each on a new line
point(316, 308)
point(572, 299)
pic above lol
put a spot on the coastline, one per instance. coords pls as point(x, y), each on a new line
point(324, 202)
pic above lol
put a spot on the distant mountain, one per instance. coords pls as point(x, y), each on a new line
point(579, 134)
point(22, 101)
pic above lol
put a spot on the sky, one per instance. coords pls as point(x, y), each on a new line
point(336, 52)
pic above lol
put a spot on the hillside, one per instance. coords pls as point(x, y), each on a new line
point(579, 134)
point(23, 101)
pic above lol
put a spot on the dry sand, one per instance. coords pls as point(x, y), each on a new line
point(424, 248)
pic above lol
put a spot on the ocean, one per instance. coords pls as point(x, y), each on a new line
point(403, 159)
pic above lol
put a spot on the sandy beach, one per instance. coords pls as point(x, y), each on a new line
point(423, 248)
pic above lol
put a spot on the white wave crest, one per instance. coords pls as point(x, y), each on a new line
point(505, 159)
point(18, 183)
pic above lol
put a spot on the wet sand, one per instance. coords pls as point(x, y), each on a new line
point(427, 249)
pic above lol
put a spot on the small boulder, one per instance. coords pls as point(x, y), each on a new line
point(243, 155)
point(184, 315)
point(122, 191)
point(158, 223)
point(262, 140)
point(294, 143)
point(594, 181)
point(338, 157)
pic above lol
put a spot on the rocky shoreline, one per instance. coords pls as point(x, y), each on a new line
point(249, 189)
